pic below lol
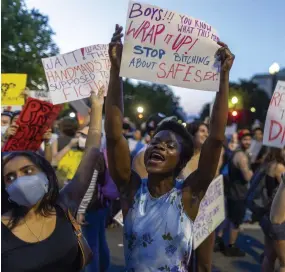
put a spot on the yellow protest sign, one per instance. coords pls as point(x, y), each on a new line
point(12, 85)
point(68, 164)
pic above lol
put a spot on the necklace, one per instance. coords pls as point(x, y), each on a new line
point(37, 237)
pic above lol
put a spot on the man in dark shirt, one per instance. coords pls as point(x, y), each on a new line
point(240, 174)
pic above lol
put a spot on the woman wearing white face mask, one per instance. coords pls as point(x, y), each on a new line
point(6, 117)
point(37, 233)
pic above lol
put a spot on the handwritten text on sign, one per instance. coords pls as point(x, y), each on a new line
point(211, 211)
point(72, 76)
point(169, 48)
point(12, 86)
point(274, 131)
point(36, 117)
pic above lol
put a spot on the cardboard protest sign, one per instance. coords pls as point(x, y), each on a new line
point(211, 211)
point(35, 119)
point(68, 165)
point(165, 47)
point(12, 86)
point(72, 76)
point(274, 130)
point(41, 95)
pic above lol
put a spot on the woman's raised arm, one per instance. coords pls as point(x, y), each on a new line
point(212, 147)
point(119, 158)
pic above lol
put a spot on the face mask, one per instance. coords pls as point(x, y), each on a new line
point(28, 190)
point(81, 142)
point(3, 129)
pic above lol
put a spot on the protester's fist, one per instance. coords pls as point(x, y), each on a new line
point(73, 142)
point(225, 56)
point(11, 131)
point(47, 136)
point(98, 99)
point(116, 48)
point(81, 219)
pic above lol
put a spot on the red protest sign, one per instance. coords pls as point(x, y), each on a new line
point(35, 119)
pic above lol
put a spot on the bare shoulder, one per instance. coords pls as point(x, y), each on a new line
point(280, 167)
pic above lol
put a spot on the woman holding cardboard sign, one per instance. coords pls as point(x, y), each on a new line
point(159, 211)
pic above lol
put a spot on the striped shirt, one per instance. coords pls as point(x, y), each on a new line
point(89, 194)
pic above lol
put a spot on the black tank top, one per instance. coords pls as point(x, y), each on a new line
point(271, 184)
point(57, 253)
point(238, 186)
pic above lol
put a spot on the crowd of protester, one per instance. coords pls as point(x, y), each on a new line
point(137, 169)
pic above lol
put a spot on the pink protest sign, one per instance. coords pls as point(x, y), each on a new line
point(166, 47)
point(274, 131)
point(72, 76)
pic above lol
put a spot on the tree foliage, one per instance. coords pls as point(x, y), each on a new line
point(26, 38)
point(249, 96)
point(153, 98)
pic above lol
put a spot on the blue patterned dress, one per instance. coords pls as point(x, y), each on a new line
point(158, 235)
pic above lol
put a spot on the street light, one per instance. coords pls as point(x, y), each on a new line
point(234, 100)
point(234, 113)
point(252, 109)
point(140, 109)
point(72, 115)
point(274, 70)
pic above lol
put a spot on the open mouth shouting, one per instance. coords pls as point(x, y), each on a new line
point(156, 157)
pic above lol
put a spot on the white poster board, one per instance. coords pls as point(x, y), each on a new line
point(166, 47)
point(43, 95)
point(72, 76)
point(211, 211)
point(274, 130)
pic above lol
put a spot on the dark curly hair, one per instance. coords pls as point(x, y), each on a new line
point(49, 200)
point(193, 128)
point(187, 149)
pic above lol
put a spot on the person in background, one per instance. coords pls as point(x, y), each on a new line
point(127, 130)
point(204, 253)
point(15, 117)
point(68, 158)
point(36, 232)
point(67, 130)
point(159, 211)
point(12, 129)
point(240, 175)
point(275, 167)
point(277, 219)
point(257, 150)
point(233, 143)
point(6, 117)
